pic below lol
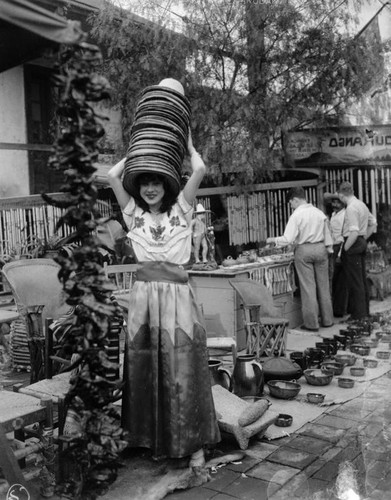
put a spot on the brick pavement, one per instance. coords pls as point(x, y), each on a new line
point(306, 465)
point(349, 446)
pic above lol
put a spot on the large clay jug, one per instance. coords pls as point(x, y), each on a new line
point(219, 375)
point(247, 377)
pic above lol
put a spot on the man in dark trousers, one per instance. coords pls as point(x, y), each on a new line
point(358, 226)
point(339, 291)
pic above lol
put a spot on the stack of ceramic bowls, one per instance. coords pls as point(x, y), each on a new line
point(158, 141)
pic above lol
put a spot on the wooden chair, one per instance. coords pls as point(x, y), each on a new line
point(122, 275)
point(220, 347)
point(18, 412)
point(266, 331)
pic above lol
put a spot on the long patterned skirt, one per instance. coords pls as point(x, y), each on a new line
point(167, 401)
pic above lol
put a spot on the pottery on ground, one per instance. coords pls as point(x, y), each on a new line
point(333, 366)
point(346, 383)
point(346, 359)
point(219, 375)
point(283, 420)
point(315, 397)
point(383, 354)
point(283, 389)
point(318, 377)
point(360, 349)
point(370, 363)
point(357, 371)
point(247, 376)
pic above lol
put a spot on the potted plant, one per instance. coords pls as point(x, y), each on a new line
point(50, 247)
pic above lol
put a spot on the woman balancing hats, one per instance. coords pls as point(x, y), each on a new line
point(167, 400)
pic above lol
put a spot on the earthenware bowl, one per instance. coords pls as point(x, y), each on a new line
point(283, 389)
point(370, 342)
point(357, 371)
point(318, 377)
point(360, 349)
point(386, 337)
point(334, 345)
point(346, 383)
point(333, 366)
point(383, 354)
point(283, 420)
point(299, 358)
point(346, 359)
point(370, 363)
point(315, 397)
point(314, 357)
point(349, 333)
point(325, 347)
point(342, 341)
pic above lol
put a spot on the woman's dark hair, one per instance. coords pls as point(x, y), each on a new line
point(169, 198)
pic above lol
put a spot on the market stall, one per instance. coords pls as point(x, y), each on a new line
point(221, 305)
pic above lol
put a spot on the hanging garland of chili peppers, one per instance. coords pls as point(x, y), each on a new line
point(93, 446)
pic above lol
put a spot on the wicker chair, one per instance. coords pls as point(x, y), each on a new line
point(39, 295)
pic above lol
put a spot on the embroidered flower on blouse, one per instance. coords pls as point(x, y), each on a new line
point(174, 221)
point(139, 221)
point(157, 233)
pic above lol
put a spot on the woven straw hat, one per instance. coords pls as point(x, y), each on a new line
point(200, 209)
point(159, 135)
point(330, 197)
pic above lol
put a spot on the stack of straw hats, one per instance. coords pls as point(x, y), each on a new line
point(159, 134)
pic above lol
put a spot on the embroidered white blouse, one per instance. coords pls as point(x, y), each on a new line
point(160, 237)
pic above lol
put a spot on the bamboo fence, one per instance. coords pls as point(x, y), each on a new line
point(25, 221)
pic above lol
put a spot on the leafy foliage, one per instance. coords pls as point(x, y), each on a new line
point(94, 446)
point(252, 70)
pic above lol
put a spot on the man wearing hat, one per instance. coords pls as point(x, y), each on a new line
point(358, 226)
point(339, 292)
point(199, 235)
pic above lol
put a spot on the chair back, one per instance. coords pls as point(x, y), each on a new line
point(122, 275)
point(253, 294)
point(35, 282)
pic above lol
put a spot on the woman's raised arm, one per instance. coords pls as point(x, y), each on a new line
point(199, 169)
point(114, 176)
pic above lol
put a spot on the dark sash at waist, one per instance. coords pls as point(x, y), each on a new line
point(310, 243)
point(161, 271)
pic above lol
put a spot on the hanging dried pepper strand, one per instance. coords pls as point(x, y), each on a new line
point(92, 450)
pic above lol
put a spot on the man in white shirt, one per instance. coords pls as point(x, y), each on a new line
point(308, 230)
point(339, 291)
point(358, 226)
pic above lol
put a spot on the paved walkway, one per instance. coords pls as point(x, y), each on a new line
point(347, 447)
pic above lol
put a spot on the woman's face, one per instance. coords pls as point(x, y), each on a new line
point(152, 192)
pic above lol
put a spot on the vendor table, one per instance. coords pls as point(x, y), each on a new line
point(221, 304)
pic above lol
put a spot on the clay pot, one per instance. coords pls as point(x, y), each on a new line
point(314, 357)
point(229, 261)
point(342, 341)
point(280, 368)
point(299, 358)
point(325, 347)
point(247, 377)
point(219, 375)
point(333, 345)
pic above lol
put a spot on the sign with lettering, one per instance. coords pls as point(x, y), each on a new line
point(340, 146)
